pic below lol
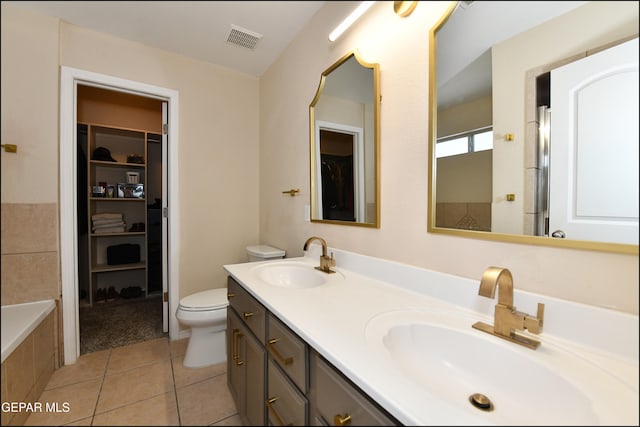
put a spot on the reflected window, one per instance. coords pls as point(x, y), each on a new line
point(468, 142)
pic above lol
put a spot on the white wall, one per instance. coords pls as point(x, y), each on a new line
point(400, 46)
point(219, 120)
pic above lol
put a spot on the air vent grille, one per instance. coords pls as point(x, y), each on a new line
point(243, 37)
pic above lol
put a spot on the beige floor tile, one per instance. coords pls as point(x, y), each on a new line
point(233, 420)
point(157, 411)
point(139, 354)
point(135, 384)
point(88, 366)
point(82, 422)
point(81, 400)
point(186, 376)
point(178, 347)
point(206, 402)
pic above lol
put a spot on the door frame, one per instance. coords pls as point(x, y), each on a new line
point(69, 79)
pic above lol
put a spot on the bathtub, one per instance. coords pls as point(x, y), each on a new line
point(20, 320)
point(28, 354)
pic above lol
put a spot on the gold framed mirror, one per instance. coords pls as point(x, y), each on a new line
point(506, 109)
point(344, 135)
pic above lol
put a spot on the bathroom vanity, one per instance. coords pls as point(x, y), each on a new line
point(274, 375)
point(382, 343)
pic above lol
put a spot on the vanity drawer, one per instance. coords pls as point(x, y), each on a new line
point(336, 401)
point(248, 308)
point(288, 351)
point(285, 404)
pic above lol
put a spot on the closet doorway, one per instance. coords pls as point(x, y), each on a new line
point(85, 287)
point(119, 217)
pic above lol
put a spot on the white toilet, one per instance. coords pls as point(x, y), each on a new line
point(264, 253)
point(206, 314)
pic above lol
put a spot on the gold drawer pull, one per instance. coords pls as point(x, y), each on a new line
point(285, 360)
point(236, 347)
point(339, 420)
point(230, 295)
point(270, 402)
point(247, 314)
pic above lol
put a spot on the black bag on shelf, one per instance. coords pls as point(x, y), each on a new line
point(125, 253)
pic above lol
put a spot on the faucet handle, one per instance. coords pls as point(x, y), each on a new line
point(534, 324)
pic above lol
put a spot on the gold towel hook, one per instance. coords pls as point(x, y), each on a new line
point(291, 192)
point(10, 148)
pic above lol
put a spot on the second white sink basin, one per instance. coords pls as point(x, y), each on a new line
point(449, 361)
point(292, 275)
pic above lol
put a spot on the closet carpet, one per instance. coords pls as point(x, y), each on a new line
point(120, 322)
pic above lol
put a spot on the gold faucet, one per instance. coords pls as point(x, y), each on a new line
point(325, 262)
point(506, 319)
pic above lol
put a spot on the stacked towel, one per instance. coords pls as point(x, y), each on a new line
point(108, 223)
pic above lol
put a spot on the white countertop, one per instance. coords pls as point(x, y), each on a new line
point(333, 317)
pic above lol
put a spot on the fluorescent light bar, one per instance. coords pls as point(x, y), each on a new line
point(350, 20)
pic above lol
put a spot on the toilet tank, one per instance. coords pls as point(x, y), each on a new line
point(264, 253)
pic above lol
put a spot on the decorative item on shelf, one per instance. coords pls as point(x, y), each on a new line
point(133, 177)
point(111, 192)
point(98, 191)
point(135, 158)
point(103, 154)
point(130, 191)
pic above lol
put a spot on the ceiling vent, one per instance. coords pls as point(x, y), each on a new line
point(243, 37)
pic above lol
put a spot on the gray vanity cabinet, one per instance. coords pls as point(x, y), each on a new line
point(287, 375)
point(246, 356)
point(276, 379)
point(336, 401)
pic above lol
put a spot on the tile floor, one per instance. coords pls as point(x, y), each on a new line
point(138, 384)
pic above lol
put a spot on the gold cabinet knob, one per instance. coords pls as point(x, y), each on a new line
point(339, 420)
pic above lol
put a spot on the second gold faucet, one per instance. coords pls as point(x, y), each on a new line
point(506, 319)
point(325, 262)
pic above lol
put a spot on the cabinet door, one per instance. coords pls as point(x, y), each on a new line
point(235, 370)
point(285, 404)
point(246, 371)
point(336, 401)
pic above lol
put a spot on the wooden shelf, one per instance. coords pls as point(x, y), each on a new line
point(103, 268)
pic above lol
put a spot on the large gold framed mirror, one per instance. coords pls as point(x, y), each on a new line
point(344, 123)
point(504, 168)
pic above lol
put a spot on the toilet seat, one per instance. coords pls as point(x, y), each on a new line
point(211, 299)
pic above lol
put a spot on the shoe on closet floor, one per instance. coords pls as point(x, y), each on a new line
point(101, 295)
point(111, 294)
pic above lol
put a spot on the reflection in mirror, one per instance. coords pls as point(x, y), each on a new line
point(499, 170)
point(344, 122)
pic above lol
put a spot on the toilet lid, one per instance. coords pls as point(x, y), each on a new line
point(205, 300)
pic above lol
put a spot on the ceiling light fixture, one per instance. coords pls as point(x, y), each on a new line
point(350, 20)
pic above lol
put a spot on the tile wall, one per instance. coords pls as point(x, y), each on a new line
point(29, 250)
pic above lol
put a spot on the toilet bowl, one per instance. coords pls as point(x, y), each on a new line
point(206, 314)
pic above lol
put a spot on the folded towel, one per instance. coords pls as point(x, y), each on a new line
point(106, 215)
point(107, 221)
point(118, 229)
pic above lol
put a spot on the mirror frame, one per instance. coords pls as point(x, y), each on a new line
point(485, 235)
point(376, 139)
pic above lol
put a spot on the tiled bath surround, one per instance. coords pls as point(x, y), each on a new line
point(28, 369)
point(30, 272)
point(29, 250)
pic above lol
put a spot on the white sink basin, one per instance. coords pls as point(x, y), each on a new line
point(446, 360)
point(292, 275)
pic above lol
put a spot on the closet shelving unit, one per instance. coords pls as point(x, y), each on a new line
point(121, 143)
